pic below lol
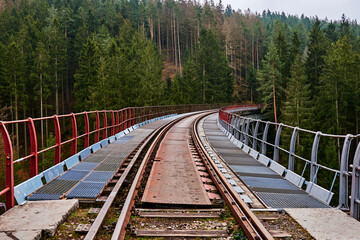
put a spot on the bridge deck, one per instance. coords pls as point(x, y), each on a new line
point(87, 179)
point(271, 188)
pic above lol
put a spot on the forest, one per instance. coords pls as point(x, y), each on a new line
point(62, 56)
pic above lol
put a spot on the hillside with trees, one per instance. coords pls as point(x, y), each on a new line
point(63, 56)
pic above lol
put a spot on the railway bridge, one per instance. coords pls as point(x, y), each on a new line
point(187, 171)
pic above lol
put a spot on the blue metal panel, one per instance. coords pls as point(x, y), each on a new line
point(319, 192)
point(85, 153)
point(72, 161)
point(53, 172)
point(104, 142)
point(96, 176)
point(95, 147)
point(86, 190)
point(74, 175)
point(294, 178)
point(27, 187)
point(85, 166)
point(112, 139)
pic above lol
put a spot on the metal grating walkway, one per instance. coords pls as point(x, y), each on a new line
point(272, 189)
point(88, 178)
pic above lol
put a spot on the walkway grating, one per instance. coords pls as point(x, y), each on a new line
point(99, 177)
point(270, 187)
point(88, 178)
point(57, 186)
point(86, 190)
point(73, 175)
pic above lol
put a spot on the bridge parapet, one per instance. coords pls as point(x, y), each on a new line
point(72, 133)
point(252, 136)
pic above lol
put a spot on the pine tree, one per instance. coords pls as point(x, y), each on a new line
point(57, 47)
point(213, 70)
point(87, 75)
point(294, 46)
point(252, 84)
point(41, 76)
point(15, 75)
point(316, 51)
point(296, 109)
point(283, 53)
point(271, 90)
point(190, 85)
point(337, 89)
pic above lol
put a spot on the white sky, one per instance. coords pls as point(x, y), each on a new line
point(332, 9)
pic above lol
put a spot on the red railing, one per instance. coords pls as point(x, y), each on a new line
point(119, 120)
point(225, 112)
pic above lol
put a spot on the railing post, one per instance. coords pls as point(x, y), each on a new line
point(122, 120)
point(231, 124)
point(314, 152)
point(133, 117)
point(57, 140)
point(87, 130)
point(105, 125)
point(129, 118)
point(255, 133)
point(247, 132)
point(9, 167)
point(263, 144)
point(277, 143)
point(242, 130)
point(112, 123)
point(97, 133)
point(291, 164)
point(237, 124)
point(117, 128)
point(354, 200)
point(34, 156)
point(344, 181)
point(74, 135)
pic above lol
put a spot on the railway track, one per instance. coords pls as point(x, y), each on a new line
point(128, 212)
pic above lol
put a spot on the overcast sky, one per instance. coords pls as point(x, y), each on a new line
point(332, 9)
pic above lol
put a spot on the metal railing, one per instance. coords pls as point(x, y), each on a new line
point(239, 127)
point(105, 122)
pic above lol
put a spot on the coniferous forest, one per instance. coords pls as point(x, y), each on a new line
point(65, 56)
point(61, 56)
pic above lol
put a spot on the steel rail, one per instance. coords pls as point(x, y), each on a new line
point(109, 201)
point(251, 225)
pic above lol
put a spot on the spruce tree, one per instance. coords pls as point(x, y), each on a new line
point(316, 51)
point(87, 75)
point(212, 70)
point(294, 46)
point(271, 90)
point(337, 90)
point(296, 109)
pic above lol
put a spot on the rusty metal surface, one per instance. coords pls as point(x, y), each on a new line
point(174, 178)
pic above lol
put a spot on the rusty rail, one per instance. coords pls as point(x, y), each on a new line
point(251, 225)
point(120, 228)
